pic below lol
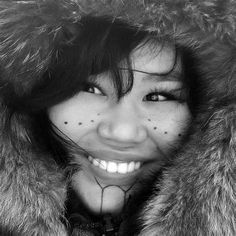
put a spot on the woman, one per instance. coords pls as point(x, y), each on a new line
point(127, 116)
point(105, 90)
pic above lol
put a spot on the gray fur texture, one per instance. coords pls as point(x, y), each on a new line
point(197, 196)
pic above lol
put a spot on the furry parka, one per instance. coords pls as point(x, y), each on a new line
point(197, 195)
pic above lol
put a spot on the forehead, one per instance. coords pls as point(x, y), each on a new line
point(152, 58)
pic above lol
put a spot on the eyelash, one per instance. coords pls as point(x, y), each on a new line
point(168, 95)
point(93, 85)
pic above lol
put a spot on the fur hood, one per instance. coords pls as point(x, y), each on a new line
point(198, 193)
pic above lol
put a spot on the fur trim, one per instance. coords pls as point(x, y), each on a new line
point(32, 187)
point(197, 195)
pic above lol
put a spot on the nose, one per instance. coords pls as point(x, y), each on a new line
point(122, 127)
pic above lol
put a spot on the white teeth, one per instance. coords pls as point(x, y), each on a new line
point(95, 162)
point(114, 167)
point(131, 166)
point(122, 168)
point(111, 167)
point(103, 165)
point(137, 165)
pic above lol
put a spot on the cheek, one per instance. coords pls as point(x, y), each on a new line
point(73, 122)
point(168, 126)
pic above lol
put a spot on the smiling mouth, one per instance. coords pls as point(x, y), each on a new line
point(115, 167)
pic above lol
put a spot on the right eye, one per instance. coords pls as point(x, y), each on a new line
point(93, 89)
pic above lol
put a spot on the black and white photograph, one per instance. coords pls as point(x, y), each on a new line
point(117, 117)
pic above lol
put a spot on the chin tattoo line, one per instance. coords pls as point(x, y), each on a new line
point(125, 192)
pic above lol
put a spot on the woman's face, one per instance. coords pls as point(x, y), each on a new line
point(125, 139)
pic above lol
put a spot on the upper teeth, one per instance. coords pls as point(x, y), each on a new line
point(114, 167)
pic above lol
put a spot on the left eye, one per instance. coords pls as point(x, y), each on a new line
point(155, 97)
